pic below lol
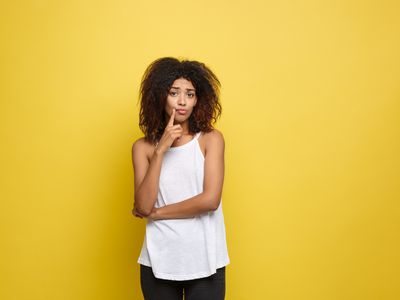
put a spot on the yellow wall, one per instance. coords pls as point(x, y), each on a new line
point(311, 119)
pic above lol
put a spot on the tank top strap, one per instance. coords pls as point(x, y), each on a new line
point(197, 135)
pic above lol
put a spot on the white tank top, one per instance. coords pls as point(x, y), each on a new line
point(184, 249)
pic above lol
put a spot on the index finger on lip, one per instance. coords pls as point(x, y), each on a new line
point(171, 119)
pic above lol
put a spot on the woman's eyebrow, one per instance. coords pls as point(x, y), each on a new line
point(178, 88)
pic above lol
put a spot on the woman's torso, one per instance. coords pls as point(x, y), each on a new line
point(182, 249)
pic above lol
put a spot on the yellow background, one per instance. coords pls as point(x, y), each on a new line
point(311, 119)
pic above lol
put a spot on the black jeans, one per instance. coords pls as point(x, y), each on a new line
point(207, 288)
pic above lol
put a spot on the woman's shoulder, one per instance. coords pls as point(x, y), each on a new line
point(142, 145)
point(213, 138)
point(213, 135)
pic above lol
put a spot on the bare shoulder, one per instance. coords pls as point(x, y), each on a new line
point(213, 139)
point(214, 136)
point(142, 146)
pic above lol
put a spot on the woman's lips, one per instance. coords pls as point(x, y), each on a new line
point(181, 111)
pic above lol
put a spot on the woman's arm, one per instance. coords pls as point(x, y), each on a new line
point(210, 198)
point(147, 171)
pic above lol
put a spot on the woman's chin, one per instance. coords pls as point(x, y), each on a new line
point(180, 120)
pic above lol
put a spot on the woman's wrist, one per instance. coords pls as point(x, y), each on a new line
point(158, 150)
point(155, 214)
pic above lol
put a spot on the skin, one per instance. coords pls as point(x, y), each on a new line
point(147, 160)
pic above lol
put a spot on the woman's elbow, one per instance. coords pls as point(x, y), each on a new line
point(214, 203)
point(141, 209)
point(143, 212)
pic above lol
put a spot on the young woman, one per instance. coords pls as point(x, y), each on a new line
point(179, 172)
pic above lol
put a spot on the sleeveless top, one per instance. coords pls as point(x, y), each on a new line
point(190, 248)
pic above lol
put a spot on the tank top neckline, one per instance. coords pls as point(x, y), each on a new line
point(195, 137)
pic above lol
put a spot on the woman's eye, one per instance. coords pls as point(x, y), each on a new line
point(173, 93)
point(191, 95)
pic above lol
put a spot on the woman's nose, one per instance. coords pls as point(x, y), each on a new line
point(182, 100)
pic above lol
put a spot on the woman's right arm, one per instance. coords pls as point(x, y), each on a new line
point(147, 174)
point(147, 171)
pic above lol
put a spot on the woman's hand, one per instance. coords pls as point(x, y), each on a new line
point(171, 132)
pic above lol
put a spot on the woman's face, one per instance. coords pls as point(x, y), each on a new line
point(182, 97)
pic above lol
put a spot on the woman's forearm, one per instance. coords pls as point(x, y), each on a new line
point(188, 208)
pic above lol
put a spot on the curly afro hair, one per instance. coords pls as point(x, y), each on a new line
point(155, 85)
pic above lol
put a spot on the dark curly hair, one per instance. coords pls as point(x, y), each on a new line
point(155, 85)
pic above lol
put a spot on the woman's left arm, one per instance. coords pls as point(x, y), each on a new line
point(210, 198)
